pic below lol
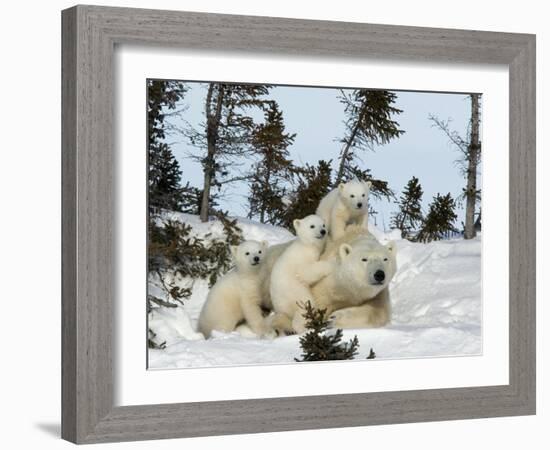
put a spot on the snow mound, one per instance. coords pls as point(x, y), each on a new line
point(213, 229)
point(436, 302)
point(170, 325)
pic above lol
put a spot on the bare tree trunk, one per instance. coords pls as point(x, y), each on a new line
point(402, 225)
point(212, 126)
point(205, 200)
point(472, 156)
point(267, 183)
point(348, 145)
point(345, 152)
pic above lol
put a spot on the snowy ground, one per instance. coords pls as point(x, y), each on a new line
point(436, 300)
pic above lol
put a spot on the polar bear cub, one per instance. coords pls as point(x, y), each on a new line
point(296, 269)
point(237, 295)
point(346, 204)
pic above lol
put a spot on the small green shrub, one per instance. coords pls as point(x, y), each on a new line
point(320, 344)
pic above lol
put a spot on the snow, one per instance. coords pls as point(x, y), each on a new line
point(436, 303)
point(214, 229)
point(171, 324)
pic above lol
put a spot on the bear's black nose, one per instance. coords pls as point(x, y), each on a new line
point(257, 258)
point(323, 232)
point(379, 276)
point(359, 205)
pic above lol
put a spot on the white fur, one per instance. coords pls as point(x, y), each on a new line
point(237, 295)
point(346, 204)
point(295, 270)
point(273, 253)
point(351, 293)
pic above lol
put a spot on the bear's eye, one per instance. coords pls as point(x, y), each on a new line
point(385, 259)
point(312, 226)
point(352, 196)
point(363, 195)
point(247, 253)
point(364, 260)
point(260, 252)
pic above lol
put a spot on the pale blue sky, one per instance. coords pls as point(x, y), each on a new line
point(316, 116)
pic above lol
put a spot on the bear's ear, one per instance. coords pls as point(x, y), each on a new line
point(233, 249)
point(296, 224)
point(391, 246)
point(265, 244)
point(367, 184)
point(344, 250)
point(341, 187)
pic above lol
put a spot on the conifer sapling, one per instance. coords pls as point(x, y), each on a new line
point(321, 344)
point(409, 216)
point(440, 220)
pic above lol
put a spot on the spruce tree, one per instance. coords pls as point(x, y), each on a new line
point(313, 183)
point(273, 168)
point(175, 251)
point(439, 221)
point(409, 215)
point(226, 134)
point(369, 122)
point(321, 344)
point(164, 175)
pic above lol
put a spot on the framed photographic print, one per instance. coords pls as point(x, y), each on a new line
point(248, 200)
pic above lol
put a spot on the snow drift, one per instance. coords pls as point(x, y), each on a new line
point(436, 303)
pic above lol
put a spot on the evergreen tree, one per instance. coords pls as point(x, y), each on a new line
point(176, 252)
point(173, 247)
point(477, 223)
point(321, 344)
point(192, 199)
point(313, 183)
point(439, 221)
point(227, 134)
point(273, 168)
point(368, 123)
point(164, 176)
point(409, 215)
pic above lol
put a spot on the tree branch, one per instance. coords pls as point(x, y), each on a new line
point(453, 136)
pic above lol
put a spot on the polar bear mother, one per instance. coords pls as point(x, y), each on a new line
point(356, 293)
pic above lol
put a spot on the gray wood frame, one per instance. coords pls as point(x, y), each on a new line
point(89, 36)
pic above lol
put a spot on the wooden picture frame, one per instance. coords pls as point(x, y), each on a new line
point(90, 34)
